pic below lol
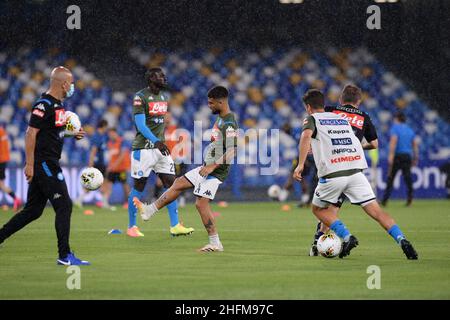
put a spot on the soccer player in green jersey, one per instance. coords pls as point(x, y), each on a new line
point(205, 180)
point(149, 151)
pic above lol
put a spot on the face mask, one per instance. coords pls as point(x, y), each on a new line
point(71, 91)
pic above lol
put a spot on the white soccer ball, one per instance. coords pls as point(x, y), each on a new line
point(73, 124)
point(274, 191)
point(91, 178)
point(329, 245)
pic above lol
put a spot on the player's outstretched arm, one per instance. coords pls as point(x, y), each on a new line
point(371, 145)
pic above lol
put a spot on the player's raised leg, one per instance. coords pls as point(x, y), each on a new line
point(148, 210)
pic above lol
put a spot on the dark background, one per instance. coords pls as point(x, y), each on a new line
point(414, 41)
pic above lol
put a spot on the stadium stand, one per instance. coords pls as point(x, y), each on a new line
point(266, 87)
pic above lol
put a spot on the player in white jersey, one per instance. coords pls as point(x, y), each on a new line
point(340, 160)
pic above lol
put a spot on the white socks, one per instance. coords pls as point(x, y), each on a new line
point(215, 241)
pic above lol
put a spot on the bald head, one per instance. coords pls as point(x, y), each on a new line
point(61, 81)
point(61, 74)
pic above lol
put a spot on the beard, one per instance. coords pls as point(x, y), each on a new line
point(163, 86)
point(215, 111)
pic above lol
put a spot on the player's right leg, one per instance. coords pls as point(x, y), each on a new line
point(142, 162)
point(359, 191)
point(374, 210)
point(32, 210)
point(325, 208)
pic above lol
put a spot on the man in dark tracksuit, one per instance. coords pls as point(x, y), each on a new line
point(403, 154)
point(43, 143)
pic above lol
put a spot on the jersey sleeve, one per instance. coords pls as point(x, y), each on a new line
point(40, 114)
point(138, 105)
point(370, 132)
point(309, 123)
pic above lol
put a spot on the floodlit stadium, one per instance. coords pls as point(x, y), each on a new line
point(216, 150)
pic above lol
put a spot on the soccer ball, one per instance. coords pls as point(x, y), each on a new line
point(91, 178)
point(329, 245)
point(73, 124)
point(274, 191)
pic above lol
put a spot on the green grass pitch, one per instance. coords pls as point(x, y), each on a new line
point(265, 257)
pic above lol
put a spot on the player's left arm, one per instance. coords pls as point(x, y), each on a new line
point(304, 146)
point(392, 145)
point(415, 160)
point(370, 134)
point(229, 134)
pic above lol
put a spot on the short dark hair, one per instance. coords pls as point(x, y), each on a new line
point(102, 123)
point(314, 98)
point(150, 72)
point(218, 92)
point(351, 94)
point(400, 116)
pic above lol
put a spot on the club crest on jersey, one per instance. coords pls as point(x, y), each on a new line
point(157, 108)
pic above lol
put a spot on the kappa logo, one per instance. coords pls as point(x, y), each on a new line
point(207, 193)
point(137, 101)
point(231, 132)
point(56, 196)
point(40, 106)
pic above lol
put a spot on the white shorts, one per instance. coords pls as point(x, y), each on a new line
point(205, 187)
point(143, 161)
point(356, 187)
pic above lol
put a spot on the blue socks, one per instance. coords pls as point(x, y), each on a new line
point(340, 229)
point(173, 212)
point(396, 233)
point(131, 208)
